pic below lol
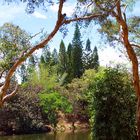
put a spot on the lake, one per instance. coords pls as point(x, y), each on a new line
point(82, 135)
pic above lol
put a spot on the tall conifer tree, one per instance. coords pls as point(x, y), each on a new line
point(45, 58)
point(62, 67)
point(95, 59)
point(54, 57)
point(69, 63)
point(87, 55)
point(77, 64)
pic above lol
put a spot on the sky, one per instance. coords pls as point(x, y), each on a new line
point(41, 19)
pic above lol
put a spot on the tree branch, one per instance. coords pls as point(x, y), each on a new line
point(8, 96)
point(28, 52)
point(130, 51)
point(31, 37)
point(67, 21)
point(135, 45)
point(23, 56)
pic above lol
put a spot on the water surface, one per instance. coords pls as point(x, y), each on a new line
point(82, 135)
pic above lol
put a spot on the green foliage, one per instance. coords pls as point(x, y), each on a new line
point(46, 56)
point(77, 64)
point(54, 57)
point(108, 26)
point(134, 29)
point(52, 103)
point(31, 66)
point(69, 63)
point(112, 105)
point(87, 55)
point(13, 40)
point(45, 77)
point(90, 58)
point(62, 65)
point(22, 113)
point(75, 92)
point(95, 59)
point(31, 5)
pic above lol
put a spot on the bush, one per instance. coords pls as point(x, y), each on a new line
point(22, 113)
point(113, 105)
point(52, 103)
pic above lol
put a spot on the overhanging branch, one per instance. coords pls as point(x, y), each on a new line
point(135, 45)
point(67, 21)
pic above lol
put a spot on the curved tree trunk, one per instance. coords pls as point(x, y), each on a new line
point(138, 118)
point(133, 58)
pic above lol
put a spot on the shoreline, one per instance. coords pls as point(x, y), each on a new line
point(63, 128)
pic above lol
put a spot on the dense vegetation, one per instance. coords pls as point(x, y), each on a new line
point(113, 105)
point(69, 82)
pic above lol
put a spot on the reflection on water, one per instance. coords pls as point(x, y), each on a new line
point(58, 136)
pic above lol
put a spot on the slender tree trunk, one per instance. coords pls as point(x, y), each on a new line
point(138, 119)
point(132, 57)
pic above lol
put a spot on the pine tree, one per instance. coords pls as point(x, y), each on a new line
point(23, 73)
point(77, 64)
point(31, 64)
point(45, 58)
point(47, 55)
point(69, 63)
point(62, 66)
point(54, 57)
point(95, 59)
point(87, 56)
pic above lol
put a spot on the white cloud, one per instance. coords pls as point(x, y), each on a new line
point(67, 8)
point(10, 12)
point(39, 15)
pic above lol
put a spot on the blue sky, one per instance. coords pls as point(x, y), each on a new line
point(33, 23)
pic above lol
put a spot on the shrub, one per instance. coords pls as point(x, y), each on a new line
point(22, 113)
point(113, 105)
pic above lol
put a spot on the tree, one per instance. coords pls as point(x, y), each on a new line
point(46, 55)
point(95, 59)
point(52, 103)
point(23, 73)
point(112, 105)
point(69, 63)
point(31, 65)
point(62, 66)
point(22, 114)
point(114, 25)
point(77, 54)
point(61, 20)
point(119, 15)
point(13, 40)
point(54, 57)
point(103, 10)
point(87, 55)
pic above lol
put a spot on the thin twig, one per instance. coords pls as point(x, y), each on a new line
point(135, 45)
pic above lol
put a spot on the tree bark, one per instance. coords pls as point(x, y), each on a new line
point(138, 119)
point(133, 58)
